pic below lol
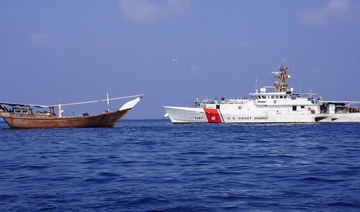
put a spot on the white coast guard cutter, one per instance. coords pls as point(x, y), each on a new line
point(281, 105)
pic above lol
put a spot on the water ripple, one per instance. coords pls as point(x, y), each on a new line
point(153, 165)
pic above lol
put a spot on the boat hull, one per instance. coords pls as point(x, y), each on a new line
point(186, 114)
point(205, 115)
point(108, 119)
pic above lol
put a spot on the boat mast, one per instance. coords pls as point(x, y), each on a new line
point(61, 111)
point(107, 102)
point(280, 79)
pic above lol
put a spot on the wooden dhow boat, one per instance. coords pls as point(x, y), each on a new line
point(25, 116)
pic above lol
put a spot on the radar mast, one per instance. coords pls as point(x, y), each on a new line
point(280, 79)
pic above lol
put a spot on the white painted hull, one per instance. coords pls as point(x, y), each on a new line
point(198, 115)
point(185, 114)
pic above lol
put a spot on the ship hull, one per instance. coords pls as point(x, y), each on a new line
point(204, 115)
point(186, 114)
point(108, 119)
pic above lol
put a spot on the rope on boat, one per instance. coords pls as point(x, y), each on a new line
point(96, 101)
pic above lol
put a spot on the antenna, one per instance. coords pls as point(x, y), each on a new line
point(256, 84)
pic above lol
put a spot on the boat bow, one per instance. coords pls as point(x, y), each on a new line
point(130, 104)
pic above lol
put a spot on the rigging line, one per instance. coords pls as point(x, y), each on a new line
point(96, 101)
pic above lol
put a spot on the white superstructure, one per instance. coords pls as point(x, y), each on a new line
point(281, 105)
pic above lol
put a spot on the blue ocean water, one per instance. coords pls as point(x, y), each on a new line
point(153, 165)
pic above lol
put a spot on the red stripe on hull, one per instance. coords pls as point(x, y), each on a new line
point(212, 115)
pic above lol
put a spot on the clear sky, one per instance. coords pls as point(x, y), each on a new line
point(174, 51)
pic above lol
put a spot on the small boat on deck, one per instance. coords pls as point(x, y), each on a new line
point(28, 116)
